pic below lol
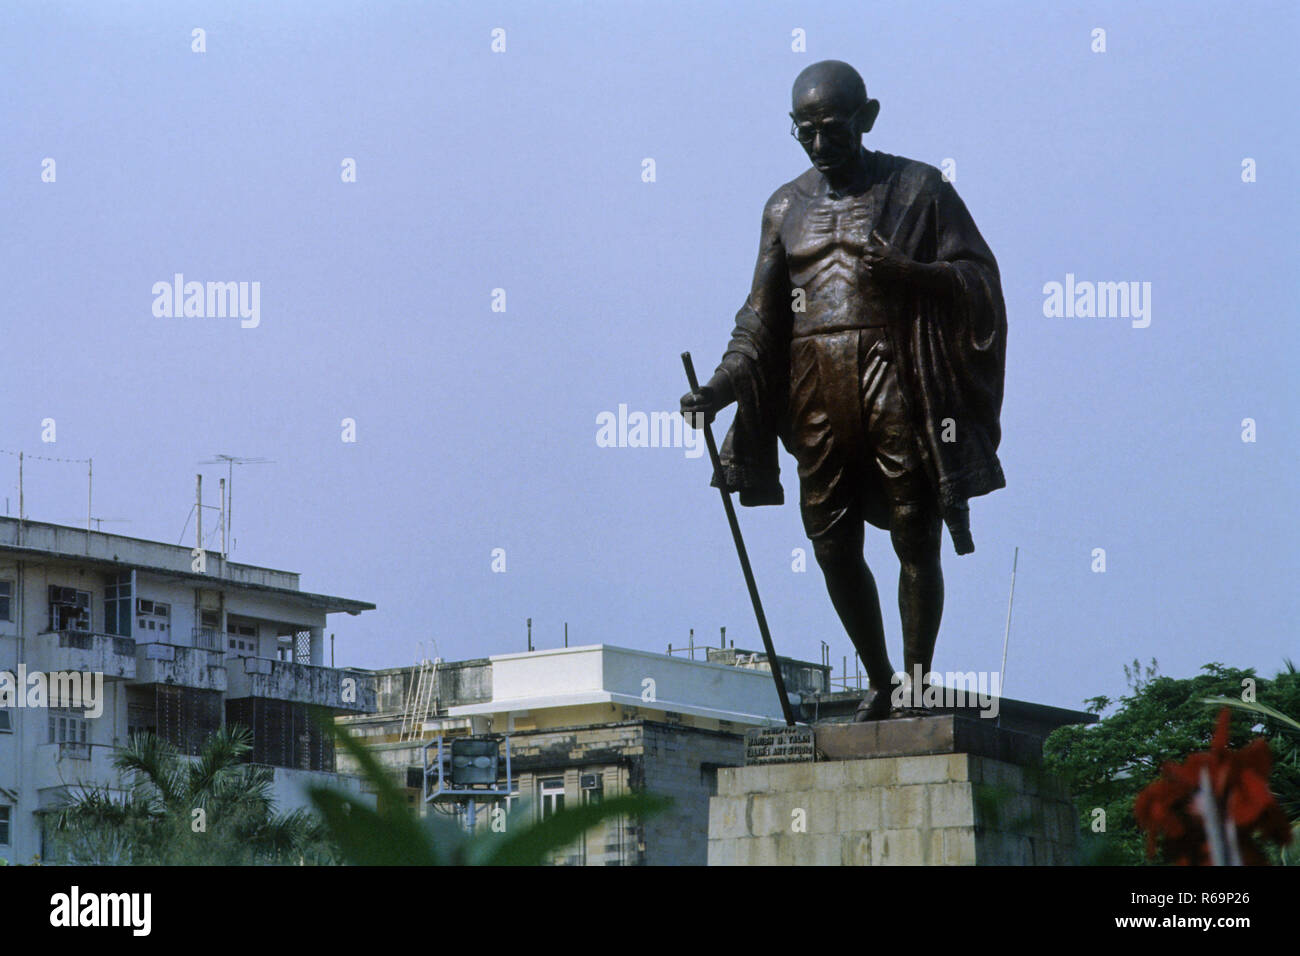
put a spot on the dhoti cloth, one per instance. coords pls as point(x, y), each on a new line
point(857, 451)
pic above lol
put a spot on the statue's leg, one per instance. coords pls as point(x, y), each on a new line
point(916, 533)
point(914, 520)
point(853, 593)
point(827, 441)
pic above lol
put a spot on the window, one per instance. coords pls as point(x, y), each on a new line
point(593, 788)
point(6, 600)
point(153, 616)
point(4, 825)
point(242, 637)
point(117, 605)
point(69, 609)
point(551, 795)
point(69, 727)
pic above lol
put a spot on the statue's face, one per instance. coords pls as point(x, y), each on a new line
point(828, 126)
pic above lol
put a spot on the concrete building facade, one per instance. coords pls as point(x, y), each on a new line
point(184, 643)
point(589, 723)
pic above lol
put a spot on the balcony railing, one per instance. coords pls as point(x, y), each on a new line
point(306, 683)
point(183, 666)
point(207, 638)
point(74, 764)
point(71, 750)
point(85, 641)
point(69, 650)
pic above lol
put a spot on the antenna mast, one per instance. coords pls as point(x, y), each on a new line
point(1006, 634)
point(230, 461)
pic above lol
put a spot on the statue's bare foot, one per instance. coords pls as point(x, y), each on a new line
point(873, 707)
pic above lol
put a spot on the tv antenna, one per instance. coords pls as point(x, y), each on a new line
point(99, 522)
point(230, 461)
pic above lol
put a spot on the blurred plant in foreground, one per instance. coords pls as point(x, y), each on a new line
point(1214, 807)
point(393, 835)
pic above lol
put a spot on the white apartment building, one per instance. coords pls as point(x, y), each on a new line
point(181, 651)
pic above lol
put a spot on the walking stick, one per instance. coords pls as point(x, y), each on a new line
point(744, 556)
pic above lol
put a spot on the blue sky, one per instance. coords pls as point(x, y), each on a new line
point(522, 171)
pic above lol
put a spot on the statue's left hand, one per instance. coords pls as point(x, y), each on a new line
point(883, 262)
point(886, 263)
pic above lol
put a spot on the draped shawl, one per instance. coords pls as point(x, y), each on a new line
point(949, 345)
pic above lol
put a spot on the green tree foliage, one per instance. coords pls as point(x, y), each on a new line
point(1107, 764)
point(183, 811)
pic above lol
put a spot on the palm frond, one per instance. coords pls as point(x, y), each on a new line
point(157, 761)
point(221, 755)
point(1254, 707)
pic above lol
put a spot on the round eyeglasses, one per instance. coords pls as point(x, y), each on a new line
point(840, 131)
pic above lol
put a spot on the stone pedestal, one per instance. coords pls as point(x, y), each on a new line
point(945, 789)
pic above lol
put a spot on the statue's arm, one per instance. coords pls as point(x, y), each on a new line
point(769, 292)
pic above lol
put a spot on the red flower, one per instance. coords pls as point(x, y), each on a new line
point(1244, 808)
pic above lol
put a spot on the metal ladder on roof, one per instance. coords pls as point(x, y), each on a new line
point(419, 701)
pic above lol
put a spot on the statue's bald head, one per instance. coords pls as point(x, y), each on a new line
point(831, 112)
point(826, 84)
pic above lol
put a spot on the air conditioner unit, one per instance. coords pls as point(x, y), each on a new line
point(66, 596)
point(589, 781)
